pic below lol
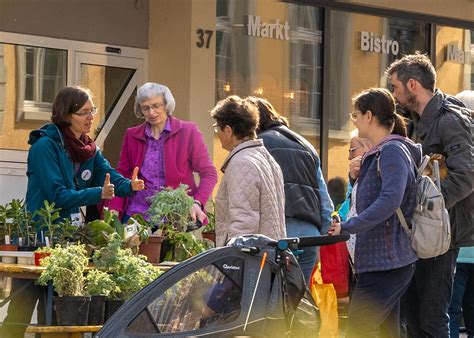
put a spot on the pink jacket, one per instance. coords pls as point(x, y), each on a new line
point(184, 153)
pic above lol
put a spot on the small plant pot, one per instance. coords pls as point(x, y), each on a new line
point(8, 247)
point(72, 310)
point(97, 310)
point(210, 235)
point(111, 306)
point(28, 248)
point(39, 256)
point(152, 249)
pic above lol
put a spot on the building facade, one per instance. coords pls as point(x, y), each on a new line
point(306, 57)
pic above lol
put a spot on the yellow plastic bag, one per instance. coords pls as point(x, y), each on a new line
point(325, 297)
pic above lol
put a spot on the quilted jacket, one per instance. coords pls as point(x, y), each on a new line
point(251, 198)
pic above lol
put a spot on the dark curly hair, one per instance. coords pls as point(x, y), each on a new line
point(237, 113)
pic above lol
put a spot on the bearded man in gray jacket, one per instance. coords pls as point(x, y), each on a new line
point(445, 131)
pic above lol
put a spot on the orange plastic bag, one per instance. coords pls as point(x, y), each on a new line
point(325, 297)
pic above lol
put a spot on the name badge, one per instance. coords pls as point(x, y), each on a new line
point(86, 175)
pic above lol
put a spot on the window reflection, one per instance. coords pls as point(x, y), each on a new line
point(286, 72)
point(352, 70)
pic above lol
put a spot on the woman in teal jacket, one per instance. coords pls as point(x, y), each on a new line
point(67, 168)
point(64, 164)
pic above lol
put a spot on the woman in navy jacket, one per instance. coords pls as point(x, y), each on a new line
point(383, 255)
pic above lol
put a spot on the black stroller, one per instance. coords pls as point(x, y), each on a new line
point(252, 287)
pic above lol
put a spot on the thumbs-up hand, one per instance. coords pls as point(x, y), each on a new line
point(137, 184)
point(107, 189)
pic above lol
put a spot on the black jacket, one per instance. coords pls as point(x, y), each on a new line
point(299, 163)
point(445, 128)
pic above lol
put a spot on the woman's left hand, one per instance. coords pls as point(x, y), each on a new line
point(137, 184)
point(335, 229)
point(197, 213)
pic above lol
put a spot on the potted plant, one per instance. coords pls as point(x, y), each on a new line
point(99, 285)
point(129, 272)
point(7, 229)
point(55, 230)
point(169, 210)
point(150, 242)
point(65, 270)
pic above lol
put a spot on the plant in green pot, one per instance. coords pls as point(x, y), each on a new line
point(64, 268)
point(99, 285)
point(169, 210)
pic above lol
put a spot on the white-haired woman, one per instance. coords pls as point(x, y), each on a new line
point(167, 150)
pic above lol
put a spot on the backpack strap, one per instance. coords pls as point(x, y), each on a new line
point(418, 170)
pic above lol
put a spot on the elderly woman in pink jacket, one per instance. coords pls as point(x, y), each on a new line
point(251, 197)
point(167, 150)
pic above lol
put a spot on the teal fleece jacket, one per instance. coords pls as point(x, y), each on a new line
point(54, 177)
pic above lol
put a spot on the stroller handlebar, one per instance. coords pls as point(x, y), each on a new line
point(300, 242)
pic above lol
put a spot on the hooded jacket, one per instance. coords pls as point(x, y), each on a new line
point(382, 243)
point(444, 130)
point(54, 177)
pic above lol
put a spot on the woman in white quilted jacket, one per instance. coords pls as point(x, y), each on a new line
point(251, 198)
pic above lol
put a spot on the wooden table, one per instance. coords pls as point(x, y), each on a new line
point(62, 331)
point(32, 272)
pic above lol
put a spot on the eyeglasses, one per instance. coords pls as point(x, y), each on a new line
point(216, 127)
point(353, 116)
point(155, 107)
point(91, 112)
point(351, 150)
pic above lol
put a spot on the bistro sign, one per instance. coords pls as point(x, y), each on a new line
point(370, 42)
point(257, 27)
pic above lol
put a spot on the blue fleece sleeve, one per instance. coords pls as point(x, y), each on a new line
point(394, 170)
point(55, 179)
point(326, 203)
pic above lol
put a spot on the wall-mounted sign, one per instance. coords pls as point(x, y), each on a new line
point(454, 54)
point(370, 42)
point(259, 28)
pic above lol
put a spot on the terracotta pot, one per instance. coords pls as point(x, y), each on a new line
point(152, 249)
point(8, 247)
point(210, 235)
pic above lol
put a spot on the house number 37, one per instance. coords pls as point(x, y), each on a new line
point(204, 38)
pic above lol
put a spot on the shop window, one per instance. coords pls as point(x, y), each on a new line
point(282, 64)
point(454, 59)
point(41, 73)
point(361, 48)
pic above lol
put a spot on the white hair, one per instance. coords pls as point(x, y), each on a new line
point(151, 90)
